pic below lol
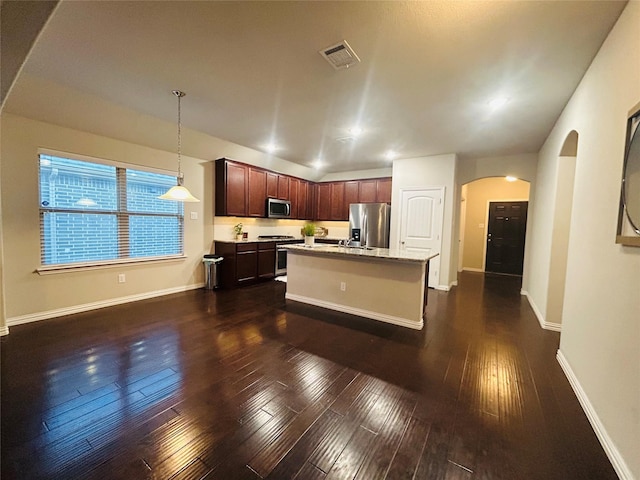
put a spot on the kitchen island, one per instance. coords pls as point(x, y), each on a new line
point(382, 284)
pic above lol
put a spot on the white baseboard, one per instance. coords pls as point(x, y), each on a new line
point(444, 288)
point(59, 312)
point(607, 443)
point(4, 331)
point(471, 269)
point(454, 283)
point(555, 327)
point(417, 325)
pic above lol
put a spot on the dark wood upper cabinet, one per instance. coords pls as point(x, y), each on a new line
point(231, 188)
point(351, 195)
point(283, 187)
point(257, 192)
point(368, 190)
point(304, 212)
point(323, 201)
point(241, 190)
point(272, 185)
point(383, 190)
point(337, 201)
point(294, 187)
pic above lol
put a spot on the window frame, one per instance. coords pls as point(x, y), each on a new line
point(122, 215)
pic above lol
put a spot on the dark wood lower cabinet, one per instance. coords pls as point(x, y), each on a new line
point(246, 263)
point(266, 259)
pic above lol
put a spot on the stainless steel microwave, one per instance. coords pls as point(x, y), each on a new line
point(278, 208)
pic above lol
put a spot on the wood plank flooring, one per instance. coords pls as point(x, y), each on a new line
point(245, 385)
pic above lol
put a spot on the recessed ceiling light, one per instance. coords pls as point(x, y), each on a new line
point(271, 147)
point(318, 163)
point(390, 155)
point(498, 102)
point(510, 178)
point(355, 131)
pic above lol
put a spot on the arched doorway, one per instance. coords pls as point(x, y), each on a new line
point(477, 198)
point(560, 236)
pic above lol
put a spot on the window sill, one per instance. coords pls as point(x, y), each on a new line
point(76, 267)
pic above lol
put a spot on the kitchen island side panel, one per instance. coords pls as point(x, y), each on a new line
point(390, 291)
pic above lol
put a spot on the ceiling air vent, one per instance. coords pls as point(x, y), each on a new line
point(340, 55)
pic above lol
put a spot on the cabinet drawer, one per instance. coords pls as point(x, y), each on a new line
point(246, 247)
point(266, 246)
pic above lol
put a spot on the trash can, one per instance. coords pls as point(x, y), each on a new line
point(212, 271)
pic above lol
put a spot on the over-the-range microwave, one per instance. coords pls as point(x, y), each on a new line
point(278, 208)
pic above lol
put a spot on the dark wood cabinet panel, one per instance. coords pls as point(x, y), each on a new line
point(323, 201)
point(272, 184)
point(257, 192)
point(383, 190)
point(266, 260)
point(368, 191)
point(283, 187)
point(303, 200)
point(351, 190)
point(294, 187)
point(337, 200)
point(246, 266)
point(231, 188)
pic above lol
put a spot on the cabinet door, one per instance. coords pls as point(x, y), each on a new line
point(294, 187)
point(272, 185)
point(323, 201)
point(283, 187)
point(337, 200)
point(236, 190)
point(266, 260)
point(384, 190)
point(246, 262)
point(257, 192)
point(303, 201)
point(368, 191)
point(350, 196)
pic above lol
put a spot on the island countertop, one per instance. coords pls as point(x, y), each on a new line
point(363, 253)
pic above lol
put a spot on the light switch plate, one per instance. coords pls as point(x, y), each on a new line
point(194, 215)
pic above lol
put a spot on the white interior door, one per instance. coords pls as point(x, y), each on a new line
point(421, 214)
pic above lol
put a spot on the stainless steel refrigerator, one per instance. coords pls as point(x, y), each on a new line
point(369, 224)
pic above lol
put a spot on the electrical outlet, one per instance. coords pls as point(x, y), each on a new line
point(194, 215)
point(122, 278)
point(343, 286)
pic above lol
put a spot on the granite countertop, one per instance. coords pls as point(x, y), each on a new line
point(361, 253)
point(277, 240)
point(262, 240)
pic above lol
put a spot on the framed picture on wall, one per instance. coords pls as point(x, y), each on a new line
point(629, 210)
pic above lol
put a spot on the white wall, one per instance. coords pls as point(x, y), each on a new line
point(521, 166)
point(600, 340)
point(439, 170)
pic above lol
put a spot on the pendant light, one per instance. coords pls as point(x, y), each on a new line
point(179, 193)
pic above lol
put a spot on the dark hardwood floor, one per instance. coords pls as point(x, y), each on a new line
point(244, 385)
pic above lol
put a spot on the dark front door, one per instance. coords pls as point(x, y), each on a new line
point(505, 237)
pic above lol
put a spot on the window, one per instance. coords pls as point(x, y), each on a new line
point(94, 212)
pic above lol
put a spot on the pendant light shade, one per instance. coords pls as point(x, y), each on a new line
point(179, 193)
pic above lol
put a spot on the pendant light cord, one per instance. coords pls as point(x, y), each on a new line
point(179, 94)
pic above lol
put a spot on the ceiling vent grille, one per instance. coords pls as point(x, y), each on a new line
point(340, 55)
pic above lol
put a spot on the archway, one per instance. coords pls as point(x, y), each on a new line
point(476, 197)
point(560, 236)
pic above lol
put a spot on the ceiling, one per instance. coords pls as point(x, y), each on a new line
point(253, 75)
